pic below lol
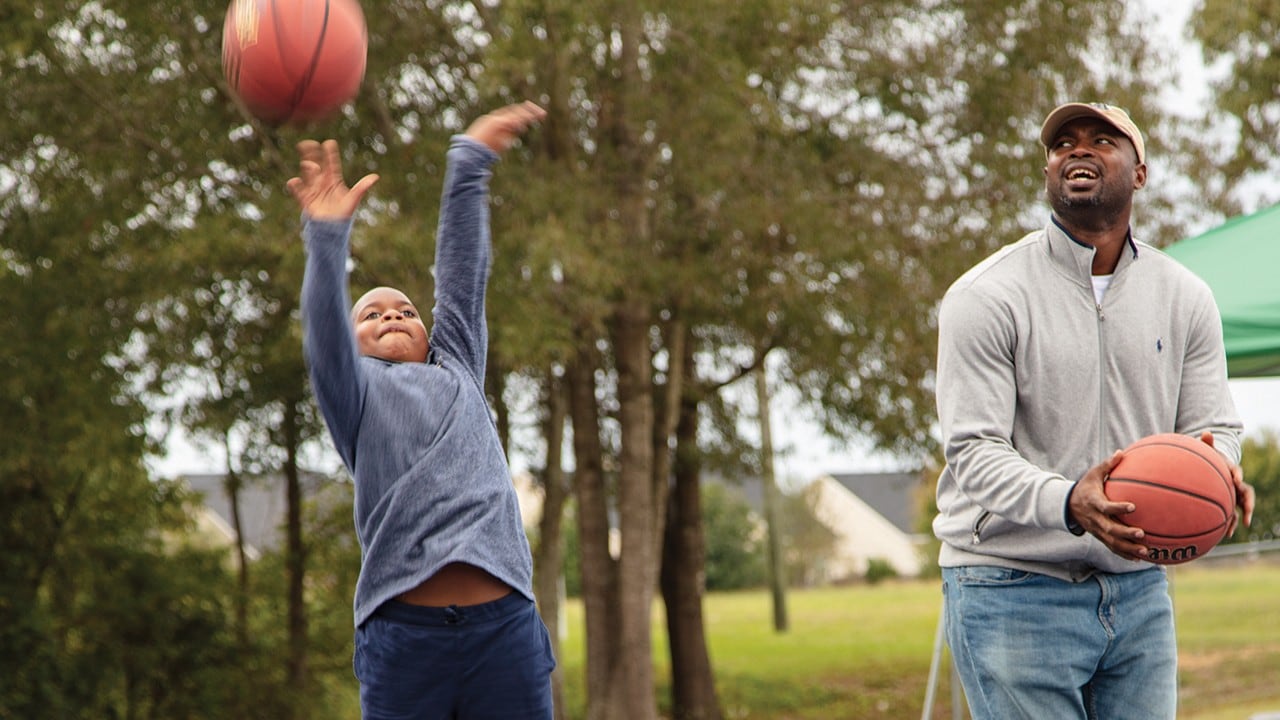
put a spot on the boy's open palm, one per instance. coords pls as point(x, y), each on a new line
point(500, 128)
point(319, 188)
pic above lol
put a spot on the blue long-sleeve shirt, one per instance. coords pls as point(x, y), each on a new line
point(432, 485)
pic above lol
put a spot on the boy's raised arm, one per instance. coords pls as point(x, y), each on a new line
point(329, 345)
point(463, 244)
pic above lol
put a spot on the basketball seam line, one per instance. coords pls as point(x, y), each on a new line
point(1180, 491)
point(1226, 480)
point(304, 83)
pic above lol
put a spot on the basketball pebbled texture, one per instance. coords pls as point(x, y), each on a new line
point(1182, 492)
point(293, 61)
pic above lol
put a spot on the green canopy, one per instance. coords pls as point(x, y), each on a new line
point(1241, 262)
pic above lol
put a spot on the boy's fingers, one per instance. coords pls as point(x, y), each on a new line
point(331, 159)
point(363, 185)
point(309, 150)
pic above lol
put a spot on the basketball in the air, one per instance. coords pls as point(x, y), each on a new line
point(294, 61)
point(1182, 493)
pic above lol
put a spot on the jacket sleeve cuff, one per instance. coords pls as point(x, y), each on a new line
point(1072, 526)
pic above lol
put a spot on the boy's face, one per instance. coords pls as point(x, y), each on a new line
point(388, 326)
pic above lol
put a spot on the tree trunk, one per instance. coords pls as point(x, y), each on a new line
point(495, 386)
point(624, 688)
point(549, 560)
point(295, 563)
point(777, 578)
point(633, 695)
point(693, 690)
point(599, 571)
point(233, 484)
point(667, 399)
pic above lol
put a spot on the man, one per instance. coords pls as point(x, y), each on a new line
point(1053, 352)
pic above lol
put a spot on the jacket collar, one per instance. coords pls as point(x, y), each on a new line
point(1076, 258)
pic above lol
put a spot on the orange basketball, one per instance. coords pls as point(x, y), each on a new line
point(292, 61)
point(1182, 493)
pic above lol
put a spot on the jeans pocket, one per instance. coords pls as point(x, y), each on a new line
point(991, 575)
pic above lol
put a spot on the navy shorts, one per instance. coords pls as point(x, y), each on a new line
point(479, 662)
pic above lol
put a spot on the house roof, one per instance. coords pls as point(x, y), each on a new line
point(262, 504)
point(892, 494)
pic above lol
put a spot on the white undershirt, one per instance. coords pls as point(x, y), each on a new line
point(1100, 285)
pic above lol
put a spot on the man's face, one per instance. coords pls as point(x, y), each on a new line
point(1091, 165)
point(388, 326)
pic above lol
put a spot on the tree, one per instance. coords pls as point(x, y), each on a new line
point(1240, 37)
point(79, 516)
point(1260, 459)
point(549, 550)
point(684, 561)
point(735, 548)
point(141, 200)
point(770, 485)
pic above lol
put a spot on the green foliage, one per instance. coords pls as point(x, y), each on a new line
point(1240, 37)
point(118, 624)
point(1260, 459)
point(734, 540)
point(878, 570)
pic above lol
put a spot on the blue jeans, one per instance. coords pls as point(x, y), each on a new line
point(479, 662)
point(1031, 646)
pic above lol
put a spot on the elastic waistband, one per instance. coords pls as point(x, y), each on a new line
point(453, 615)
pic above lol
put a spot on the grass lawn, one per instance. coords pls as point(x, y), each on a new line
point(864, 652)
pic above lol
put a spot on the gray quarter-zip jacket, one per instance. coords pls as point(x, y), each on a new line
point(1037, 383)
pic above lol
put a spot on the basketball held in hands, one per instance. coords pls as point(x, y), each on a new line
point(1182, 492)
point(294, 61)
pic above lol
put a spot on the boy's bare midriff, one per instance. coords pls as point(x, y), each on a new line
point(456, 584)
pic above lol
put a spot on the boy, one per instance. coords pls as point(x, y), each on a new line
point(446, 625)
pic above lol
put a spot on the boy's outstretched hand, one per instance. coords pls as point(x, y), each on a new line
point(500, 128)
point(319, 187)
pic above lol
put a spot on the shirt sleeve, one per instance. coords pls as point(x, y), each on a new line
point(328, 340)
point(463, 256)
point(1204, 402)
point(977, 399)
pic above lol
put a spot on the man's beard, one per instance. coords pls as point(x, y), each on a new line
point(1097, 211)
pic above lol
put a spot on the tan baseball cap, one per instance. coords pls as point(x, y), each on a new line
point(1116, 116)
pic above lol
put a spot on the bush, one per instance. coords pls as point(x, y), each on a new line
point(734, 541)
point(879, 569)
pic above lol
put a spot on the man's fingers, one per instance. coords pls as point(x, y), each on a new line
point(1245, 498)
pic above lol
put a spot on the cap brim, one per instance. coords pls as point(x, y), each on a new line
point(1064, 114)
point(1115, 117)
